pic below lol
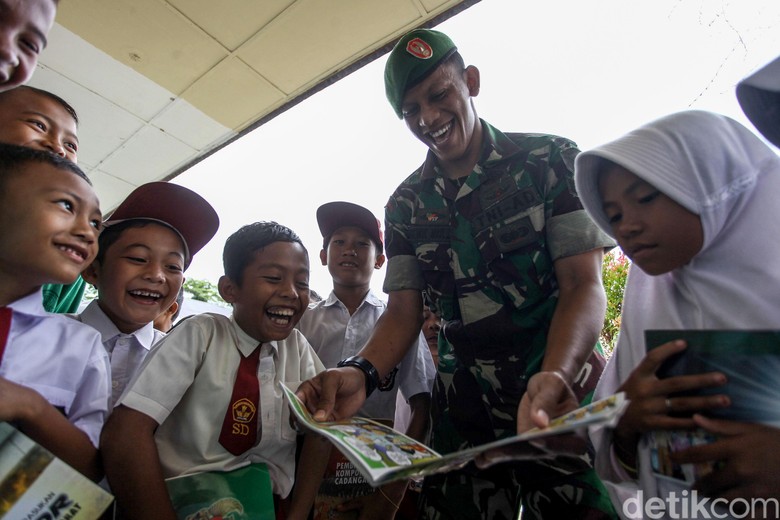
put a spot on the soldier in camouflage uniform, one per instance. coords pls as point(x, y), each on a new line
point(491, 229)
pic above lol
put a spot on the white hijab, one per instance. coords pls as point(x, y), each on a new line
point(718, 169)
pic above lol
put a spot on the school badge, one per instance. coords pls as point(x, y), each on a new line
point(243, 412)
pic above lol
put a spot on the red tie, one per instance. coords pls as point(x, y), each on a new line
point(5, 327)
point(240, 428)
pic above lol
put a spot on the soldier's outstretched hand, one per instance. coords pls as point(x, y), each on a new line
point(335, 394)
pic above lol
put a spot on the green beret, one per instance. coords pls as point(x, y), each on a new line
point(412, 59)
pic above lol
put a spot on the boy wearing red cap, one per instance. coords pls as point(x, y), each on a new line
point(340, 325)
point(144, 248)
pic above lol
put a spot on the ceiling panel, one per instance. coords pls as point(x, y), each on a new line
point(311, 38)
point(231, 22)
point(160, 84)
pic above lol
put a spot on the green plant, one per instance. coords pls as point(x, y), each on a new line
point(614, 271)
point(202, 290)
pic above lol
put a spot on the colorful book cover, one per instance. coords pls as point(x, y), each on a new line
point(749, 359)
point(243, 493)
point(35, 484)
point(383, 455)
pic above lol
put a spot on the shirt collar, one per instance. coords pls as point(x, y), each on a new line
point(246, 343)
point(370, 298)
point(31, 304)
point(97, 319)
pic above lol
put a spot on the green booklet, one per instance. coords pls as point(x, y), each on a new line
point(749, 359)
point(34, 484)
point(243, 493)
point(383, 455)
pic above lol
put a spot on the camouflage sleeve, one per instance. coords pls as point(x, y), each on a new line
point(575, 233)
point(403, 272)
point(570, 230)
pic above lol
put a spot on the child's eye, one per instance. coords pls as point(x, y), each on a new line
point(31, 46)
point(97, 224)
point(38, 124)
point(66, 205)
point(72, 146)
point(649, 198)
point(438, 96)
point(136, 259)
point(176, 268)
point(613, 219)
point(272, 279)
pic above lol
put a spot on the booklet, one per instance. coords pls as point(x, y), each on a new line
point(749, 359)
point(342, 482)
point(241, 493)
point(35, 484)
point(383, 455)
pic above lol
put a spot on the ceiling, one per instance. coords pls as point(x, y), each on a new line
point(161, 84)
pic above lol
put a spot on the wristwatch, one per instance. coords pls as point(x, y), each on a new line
point(372, 376)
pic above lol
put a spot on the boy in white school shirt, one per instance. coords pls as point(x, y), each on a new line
point(54, 373)
point(340, 325)
point(145, 246)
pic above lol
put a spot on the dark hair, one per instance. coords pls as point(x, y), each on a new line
point(241, 246)
point(45, 93)
point(13, 157)
point(111, 234)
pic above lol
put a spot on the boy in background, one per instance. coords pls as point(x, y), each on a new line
point(39, 119)
point(164, 322)
point(54, 372)
point(208, 399)
point(339, 326)
point(24, 25)
point(144, 249)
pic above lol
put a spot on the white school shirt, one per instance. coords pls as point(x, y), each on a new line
point(186, 383)
point(126, 351)
point(336, 335)
point(62, 360)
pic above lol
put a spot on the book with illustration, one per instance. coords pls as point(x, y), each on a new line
point(749, 359)
point(36, 484)
point(383, 455)
point(241, 493)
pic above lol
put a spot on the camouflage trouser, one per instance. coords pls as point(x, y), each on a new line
point(498, 492)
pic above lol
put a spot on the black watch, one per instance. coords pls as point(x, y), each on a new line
point(372, 376)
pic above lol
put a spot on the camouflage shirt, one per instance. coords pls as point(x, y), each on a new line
point(482, 249)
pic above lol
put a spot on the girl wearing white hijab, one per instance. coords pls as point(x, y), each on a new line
point(693, 199)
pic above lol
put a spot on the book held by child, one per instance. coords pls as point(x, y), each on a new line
point(35, 484)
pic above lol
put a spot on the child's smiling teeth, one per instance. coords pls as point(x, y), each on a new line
point(280, 315)
point(146, 294)
point(72, 251)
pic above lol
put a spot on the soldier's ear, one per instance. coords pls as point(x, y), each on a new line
point(472, 80)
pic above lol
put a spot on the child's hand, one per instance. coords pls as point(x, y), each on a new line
point(17, 402)
point(749, 455)
point(650, 402)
